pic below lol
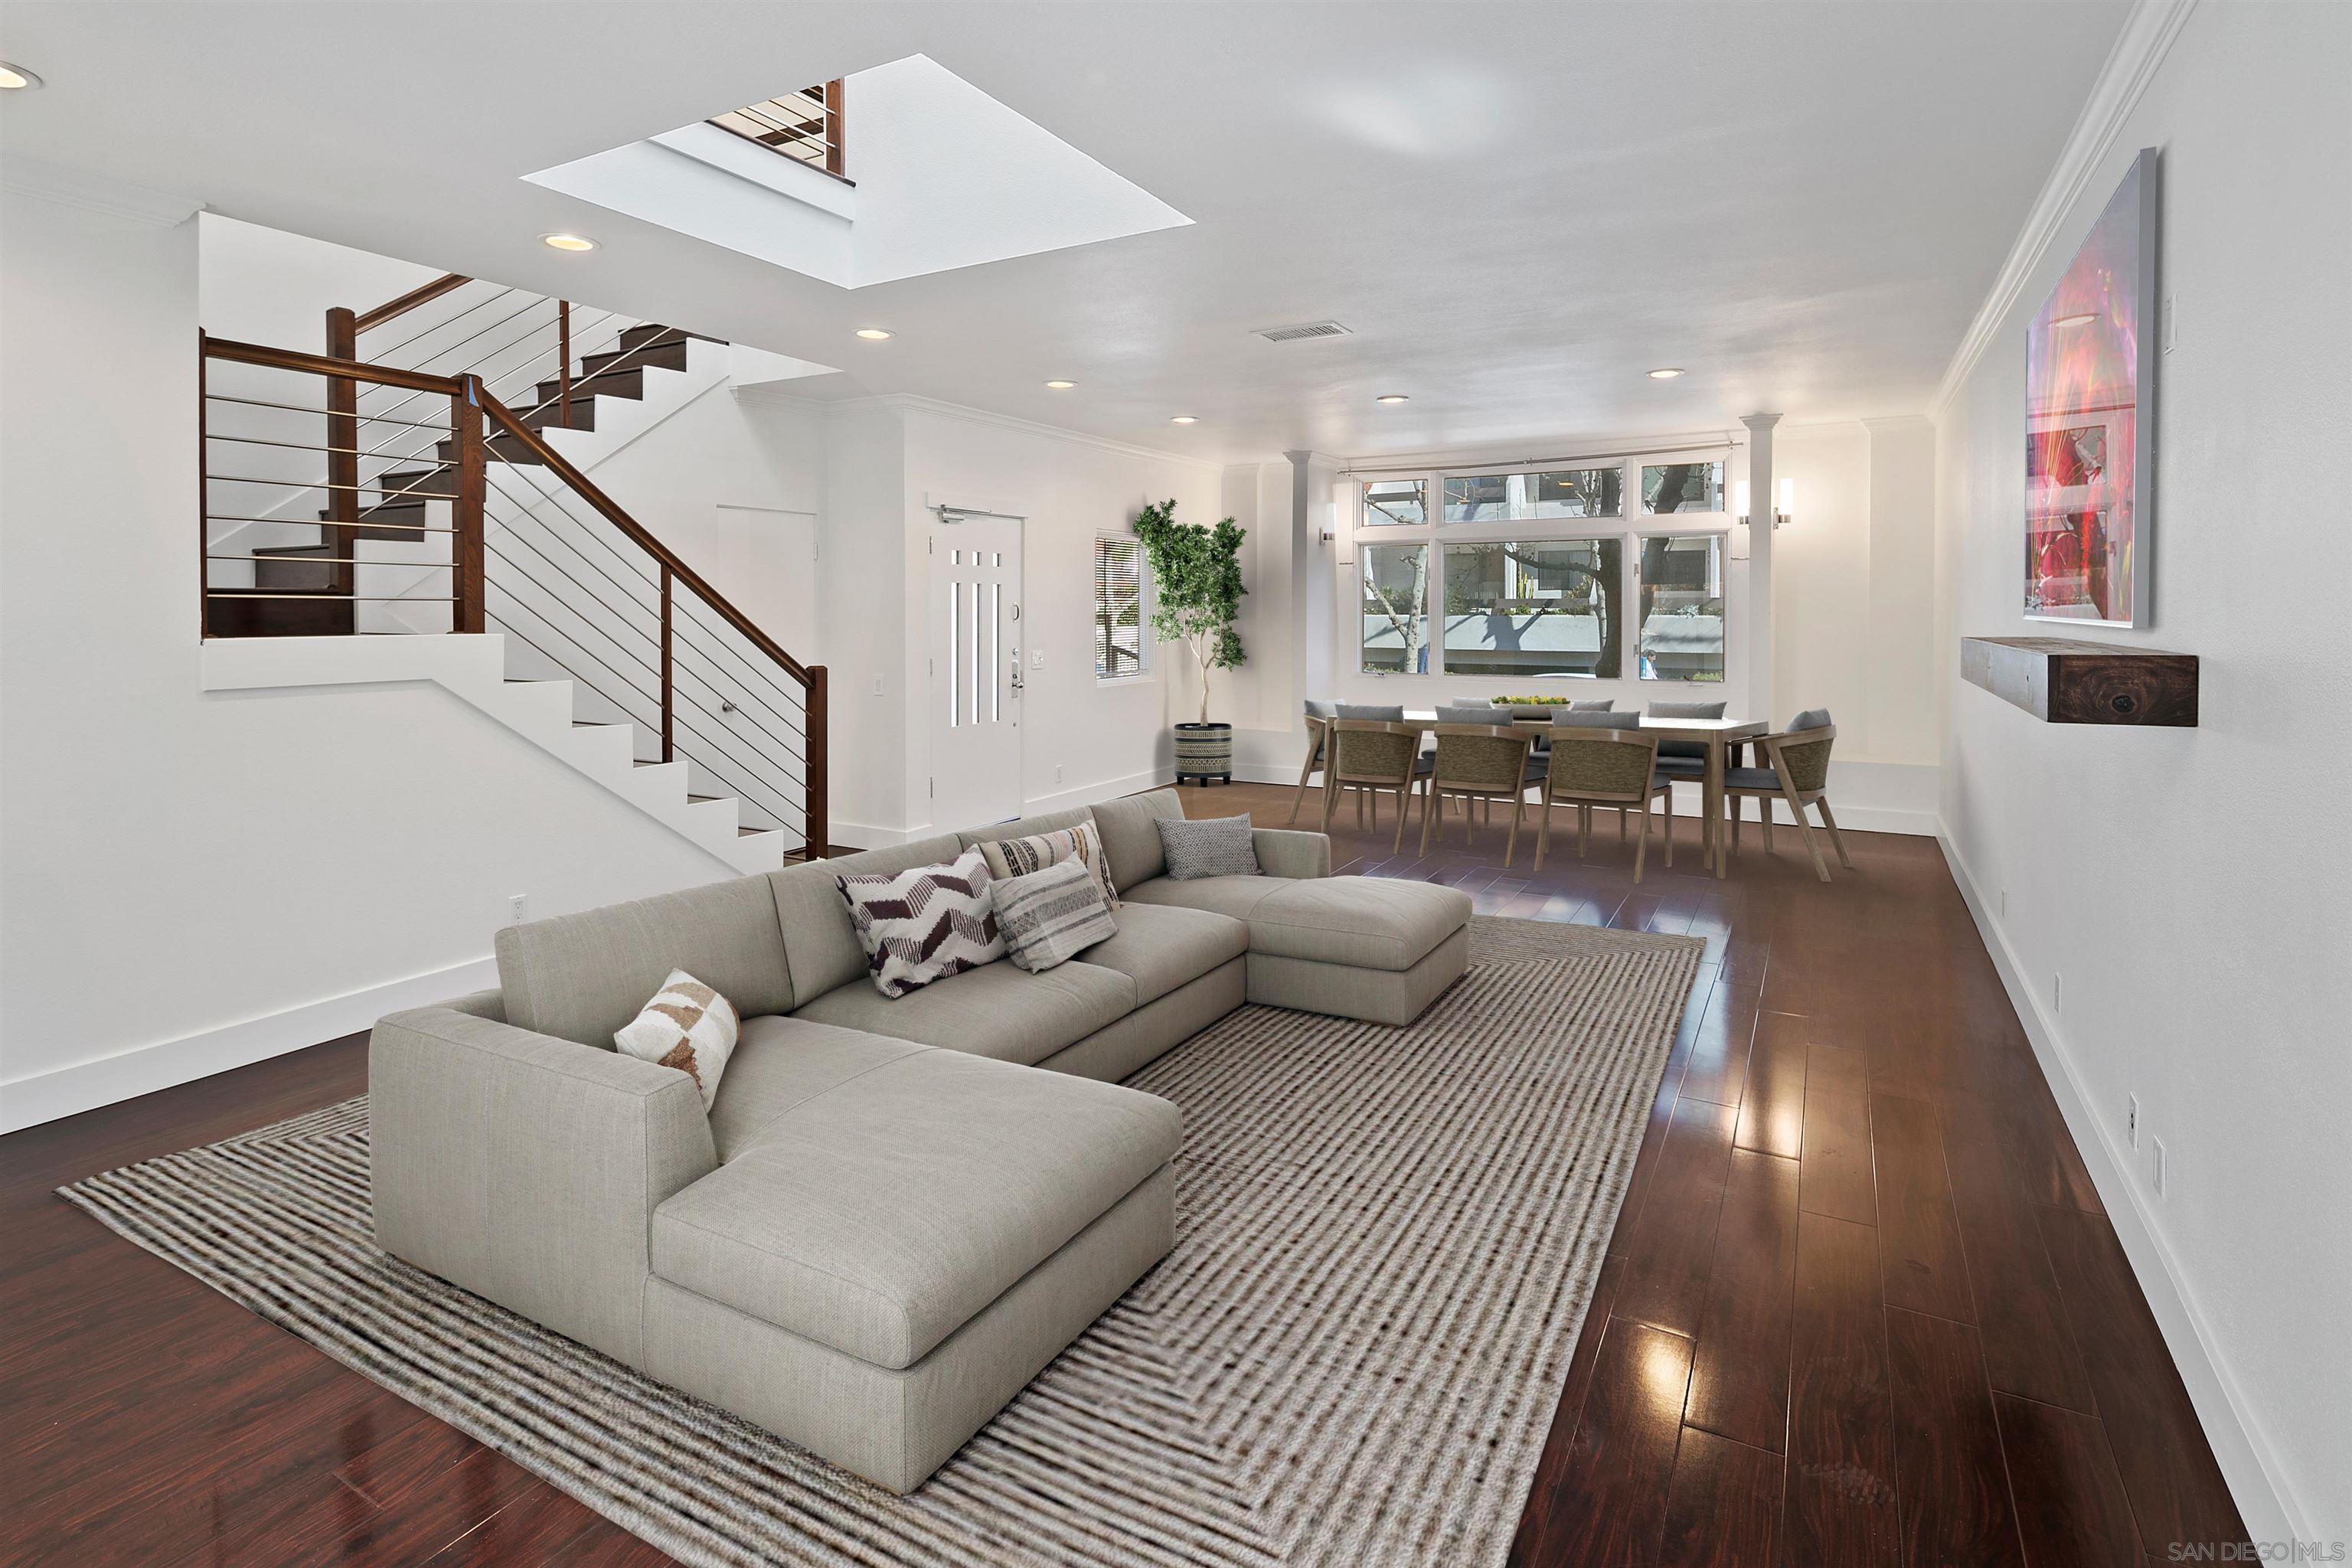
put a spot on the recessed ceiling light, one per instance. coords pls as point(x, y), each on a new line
point(1184, 419)
point(2083, 320)
point(1665, 372)
point(567, 242)
point(15, 78)
point(1060, 385)
point(1391, 397)
point(872, 334)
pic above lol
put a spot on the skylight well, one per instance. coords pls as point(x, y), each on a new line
point(940, 176)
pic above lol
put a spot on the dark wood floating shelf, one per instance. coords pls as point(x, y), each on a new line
point(2064, 680)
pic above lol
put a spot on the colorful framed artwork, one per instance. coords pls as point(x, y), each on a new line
point(2089, 415)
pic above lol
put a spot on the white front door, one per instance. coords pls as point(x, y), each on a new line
point(976, 670)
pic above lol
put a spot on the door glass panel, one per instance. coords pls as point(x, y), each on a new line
point(955, 641)
point(996, 648)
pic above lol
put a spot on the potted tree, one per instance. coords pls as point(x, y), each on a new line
point(1196, 576)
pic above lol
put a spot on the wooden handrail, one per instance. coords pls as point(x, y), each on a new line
point(324, 364)
point(644, 540)
point(422, 295)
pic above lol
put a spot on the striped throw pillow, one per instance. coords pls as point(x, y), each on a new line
point(1024, 857)
point(686, 1026)
point(925, 923)
point(1051, 916)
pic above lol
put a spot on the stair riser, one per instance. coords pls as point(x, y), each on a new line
point(237, 617)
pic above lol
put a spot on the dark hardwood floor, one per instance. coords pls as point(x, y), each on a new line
point(1862, 1306)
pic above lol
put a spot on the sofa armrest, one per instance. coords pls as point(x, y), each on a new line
point(525, 1168)
point(1282, 852)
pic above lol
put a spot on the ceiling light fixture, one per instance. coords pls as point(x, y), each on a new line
point(1665, 372)
point(1185, 419)
point(874, 334)
point(1060, 385)
point(16, 79)
point(567, 242)
point(1391, 397)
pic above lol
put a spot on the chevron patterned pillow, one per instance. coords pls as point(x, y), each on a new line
point(924, 923)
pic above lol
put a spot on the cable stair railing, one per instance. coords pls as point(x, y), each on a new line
point(510, 536)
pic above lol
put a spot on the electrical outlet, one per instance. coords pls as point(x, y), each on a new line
point(2004, 903)
point(2160, 1171)
point(2131, 1118)
point(517, 908)
point(1057, 772)
point(2057, 992)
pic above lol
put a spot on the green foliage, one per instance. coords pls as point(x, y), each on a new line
point(1196, 577)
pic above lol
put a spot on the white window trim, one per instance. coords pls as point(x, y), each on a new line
point(1147, 666)
point(1629, 525)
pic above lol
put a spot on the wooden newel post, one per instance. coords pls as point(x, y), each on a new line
point(466, 512)
point(342, 454)
point(817, 834)
point(669, 702)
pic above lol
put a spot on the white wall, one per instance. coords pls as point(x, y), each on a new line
point(2194, 887)
point(199, 862)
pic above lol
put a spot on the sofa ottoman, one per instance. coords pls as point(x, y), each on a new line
point(1357, 947)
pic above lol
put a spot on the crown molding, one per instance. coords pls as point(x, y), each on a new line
point(1892, 422)
point(2131, 65)
point(914, 403)
point(96, 193)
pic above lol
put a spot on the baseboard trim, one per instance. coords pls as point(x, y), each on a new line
point(2246, 1456)
point(143, 1069)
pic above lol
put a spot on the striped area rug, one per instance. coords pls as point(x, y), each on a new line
point(1386, 1239)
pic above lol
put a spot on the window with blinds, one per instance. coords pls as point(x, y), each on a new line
point(1120, 648)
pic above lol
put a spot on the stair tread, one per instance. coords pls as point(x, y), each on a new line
point(755, 832)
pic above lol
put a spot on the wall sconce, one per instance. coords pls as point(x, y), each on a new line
point(1782, 515)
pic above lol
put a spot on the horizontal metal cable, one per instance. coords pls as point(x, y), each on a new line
point(307, 522)
point(328, 413)
point(339, 561)
point(383, 355)
point(322, 485)
point(531, 472)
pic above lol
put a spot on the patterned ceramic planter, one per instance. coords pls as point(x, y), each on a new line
point(1204, 752)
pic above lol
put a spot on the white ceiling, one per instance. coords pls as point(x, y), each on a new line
point(1520, 209)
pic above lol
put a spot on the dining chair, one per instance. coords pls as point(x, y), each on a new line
point(1477, 762)
point(1319, 714)
point(1611, 764)
point(1373, 758)
point(1796, 770)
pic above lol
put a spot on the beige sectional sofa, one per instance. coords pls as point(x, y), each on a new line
point(888, 1221)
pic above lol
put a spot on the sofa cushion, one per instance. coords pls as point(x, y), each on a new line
point(1236, 898)
point(1130, 835)
point(882, 1212)
point(1369, 922)
point(999, 1011)
point(779, 1064)
point(1163, 946)
point(820, 944)
point(583, 977)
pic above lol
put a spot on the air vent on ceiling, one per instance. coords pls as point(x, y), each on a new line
point(1307, 329)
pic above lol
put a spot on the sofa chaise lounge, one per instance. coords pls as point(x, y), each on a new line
point(889, 1220)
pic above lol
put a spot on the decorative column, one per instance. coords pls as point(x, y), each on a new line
point(1760, 513)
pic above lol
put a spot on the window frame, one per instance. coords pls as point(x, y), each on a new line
point(1147, 667)
point(1628, 525)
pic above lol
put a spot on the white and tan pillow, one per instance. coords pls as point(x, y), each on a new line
point(1026, 857)
point(924, 923)
point(1051, 916)
point(686, 1026)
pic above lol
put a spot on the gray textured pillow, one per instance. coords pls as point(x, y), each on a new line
point(1686, 710)
point(1578, 719)
point(1811, 719)
point(1319, 709)
point(1372, 710)
point(1216, 846)
point(1051, 916)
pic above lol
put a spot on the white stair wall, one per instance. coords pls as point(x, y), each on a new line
point(473, 670)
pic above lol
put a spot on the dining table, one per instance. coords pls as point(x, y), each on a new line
point(1719, 736)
